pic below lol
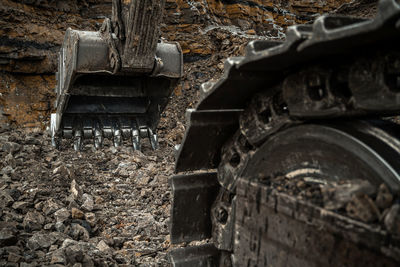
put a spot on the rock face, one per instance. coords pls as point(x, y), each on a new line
point(31, 33)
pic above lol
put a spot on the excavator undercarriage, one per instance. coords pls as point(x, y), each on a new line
point(114, 83)
point(275, 146)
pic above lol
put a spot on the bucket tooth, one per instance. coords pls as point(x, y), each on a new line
point(78, 139)
point(153, 138)
point(55, 140)
point(135, 136)
point(117, 139)
point(98, 136)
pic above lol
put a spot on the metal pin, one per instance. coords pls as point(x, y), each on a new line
point(87, 129)
point(153, 139)
point(78, 140)
point(107, 128)
point(68, 127)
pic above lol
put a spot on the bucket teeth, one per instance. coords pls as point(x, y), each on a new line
point(117, 134)
point(97, 129)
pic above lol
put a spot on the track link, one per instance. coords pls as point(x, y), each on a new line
point(315, 107)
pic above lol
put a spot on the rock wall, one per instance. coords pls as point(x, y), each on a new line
point(31, 32)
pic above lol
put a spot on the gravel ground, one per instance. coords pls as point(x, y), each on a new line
point(92, 207)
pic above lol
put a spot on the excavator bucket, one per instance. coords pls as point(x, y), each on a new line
point(114, 83)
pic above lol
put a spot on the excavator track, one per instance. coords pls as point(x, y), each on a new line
point(314, 112)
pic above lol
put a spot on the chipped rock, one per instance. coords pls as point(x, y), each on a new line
point(90, 217)
point(10, 160)
point(53, 248)
point(5, 178)
point(119, 241)
point(74, 253)
point(12, 257)
point(77, 213)
point(78, 232)
point(75, 189)
point(20, 206)
point(392, 219)
point(88, 202)
point(5, 199)
point(39, 206)
point(64, 172)
point(121, 258)
point(69, 242)
point(7, 170)
point(41, 241)
point(49, 207)
point(336, 196)
point(144, 180)
point(48, 226)
point(58, 257)
point(363, 208)
point(60, 227)
point(84, 224)
point(62, 215)
point(384, 197)
point(98, 200)
point(103, 247)
point(11, 147)
point(33, 220)
point(8, 236)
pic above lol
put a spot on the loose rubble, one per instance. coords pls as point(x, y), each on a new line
point(106, 207)
point(92, 208)
point(358, 199)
